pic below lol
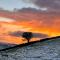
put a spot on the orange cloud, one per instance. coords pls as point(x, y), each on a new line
point(45, 23)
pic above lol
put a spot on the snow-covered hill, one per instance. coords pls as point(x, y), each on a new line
point(5, 45)
point(47, 50)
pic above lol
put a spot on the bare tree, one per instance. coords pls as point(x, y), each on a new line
point(27, 36)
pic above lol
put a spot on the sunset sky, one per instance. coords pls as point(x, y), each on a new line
point(41, 17)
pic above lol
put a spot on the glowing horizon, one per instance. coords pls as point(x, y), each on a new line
point(7, 27)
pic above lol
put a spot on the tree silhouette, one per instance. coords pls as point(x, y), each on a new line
point(27, 36)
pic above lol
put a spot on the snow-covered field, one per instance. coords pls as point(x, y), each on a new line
point(47, 50)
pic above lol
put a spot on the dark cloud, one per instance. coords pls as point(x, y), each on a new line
point(39, 35)
point(52, 5)
point(17, 33)
point(35, 35)
point(27, 9)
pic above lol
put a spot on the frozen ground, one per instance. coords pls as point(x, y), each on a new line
point(48, 50)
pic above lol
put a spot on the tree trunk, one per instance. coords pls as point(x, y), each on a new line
point(28, 40)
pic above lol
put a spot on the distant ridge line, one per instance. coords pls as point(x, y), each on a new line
point(26, 44)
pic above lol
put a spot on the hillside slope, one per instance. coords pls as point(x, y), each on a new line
point(46, 50)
